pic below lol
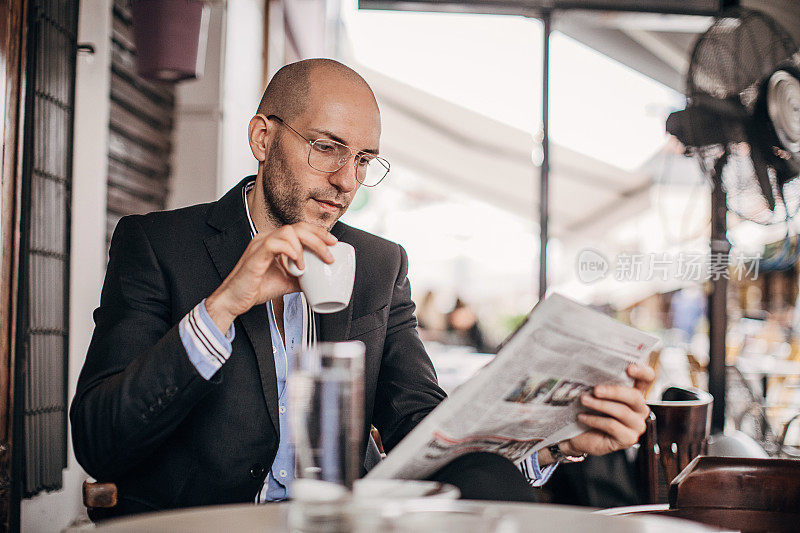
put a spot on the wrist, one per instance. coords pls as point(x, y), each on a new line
point(563, 453)
point(544, 457)
point(219, 313)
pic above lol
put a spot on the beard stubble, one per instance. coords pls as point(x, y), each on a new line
point(284, 197)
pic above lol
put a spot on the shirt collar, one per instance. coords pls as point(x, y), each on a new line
point(246, 189)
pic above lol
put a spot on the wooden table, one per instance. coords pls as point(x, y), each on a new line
point(515, 517)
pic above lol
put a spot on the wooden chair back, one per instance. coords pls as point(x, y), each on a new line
point(99, 495)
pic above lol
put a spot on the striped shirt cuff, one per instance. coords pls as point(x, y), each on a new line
point(205, 344)
point(533, 472)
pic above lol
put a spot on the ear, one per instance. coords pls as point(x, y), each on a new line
point(259, 133)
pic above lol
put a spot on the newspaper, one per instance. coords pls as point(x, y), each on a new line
point(527, 398)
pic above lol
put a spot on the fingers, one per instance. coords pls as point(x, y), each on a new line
point(289, 241)
point(630, 418)
point(286, 248)
point(629, 396)
point(619, 412)
point(319, 231)
point(315, 239)
point(642, 375)
point(612, 428)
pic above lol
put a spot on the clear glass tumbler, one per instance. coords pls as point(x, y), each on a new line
point(326, 395)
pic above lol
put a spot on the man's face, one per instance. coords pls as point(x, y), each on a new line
point(294, 191)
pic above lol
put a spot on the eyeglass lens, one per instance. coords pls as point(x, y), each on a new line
point(330, 156)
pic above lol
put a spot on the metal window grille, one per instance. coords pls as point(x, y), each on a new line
point(42, 347)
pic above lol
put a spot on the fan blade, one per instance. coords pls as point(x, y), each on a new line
point(725, 108)
point(696, 126)
point(762, 175)
point(763, 141)
point(783, 107)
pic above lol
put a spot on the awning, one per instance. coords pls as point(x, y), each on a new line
point(657, 45)
point(492, 161)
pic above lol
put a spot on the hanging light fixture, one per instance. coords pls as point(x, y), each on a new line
point(170, 37)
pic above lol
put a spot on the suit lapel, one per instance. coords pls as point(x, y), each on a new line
point(225, 249)
point(256, 326)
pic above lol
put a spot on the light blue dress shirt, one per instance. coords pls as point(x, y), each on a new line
point(280, 476)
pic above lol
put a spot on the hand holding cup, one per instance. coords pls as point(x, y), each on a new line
point(261, 275)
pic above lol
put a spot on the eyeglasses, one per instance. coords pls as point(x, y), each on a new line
point(327, 155)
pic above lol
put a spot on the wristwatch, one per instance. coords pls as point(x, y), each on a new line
point(560, 457)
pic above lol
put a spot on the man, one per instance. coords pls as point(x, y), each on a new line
point(182, 400)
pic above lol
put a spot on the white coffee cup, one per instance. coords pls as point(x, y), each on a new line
point(328, 288)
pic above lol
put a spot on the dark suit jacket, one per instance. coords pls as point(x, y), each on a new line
point(143, 417)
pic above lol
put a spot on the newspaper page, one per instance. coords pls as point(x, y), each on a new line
point(527, 398)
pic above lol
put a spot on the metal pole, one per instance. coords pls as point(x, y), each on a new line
point(544, 174)
point(717, 300)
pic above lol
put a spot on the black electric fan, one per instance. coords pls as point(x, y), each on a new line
point(742, 116)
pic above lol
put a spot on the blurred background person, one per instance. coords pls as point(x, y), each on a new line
point(464, 329)
point(431, 322)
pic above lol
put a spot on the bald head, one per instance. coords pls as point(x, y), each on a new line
point(290, 89)
point(317, 99)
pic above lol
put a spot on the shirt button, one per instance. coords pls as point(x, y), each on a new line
point(282, 409)
point(283, 473)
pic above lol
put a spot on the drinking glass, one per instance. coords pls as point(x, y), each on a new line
point(326, 394)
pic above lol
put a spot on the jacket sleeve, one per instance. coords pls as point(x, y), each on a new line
point(407, 383)
point(137, 383)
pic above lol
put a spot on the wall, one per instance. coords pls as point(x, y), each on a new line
point(242, 88)
point(197, 133)
point(55, 510)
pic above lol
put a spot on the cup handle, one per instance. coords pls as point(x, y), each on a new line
point(293, 270)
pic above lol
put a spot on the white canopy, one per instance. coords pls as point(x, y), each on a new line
point(494, 162)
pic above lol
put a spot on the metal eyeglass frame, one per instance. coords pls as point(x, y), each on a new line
point(353, 153)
